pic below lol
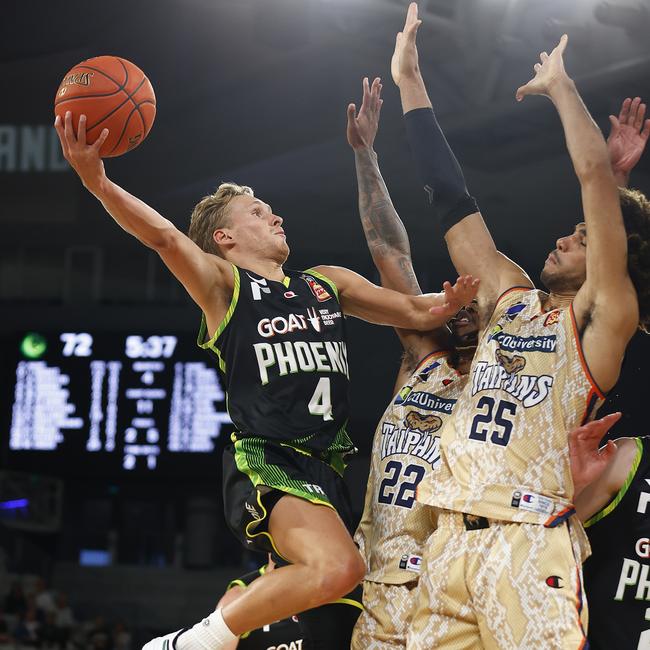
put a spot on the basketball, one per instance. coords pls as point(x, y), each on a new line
point(113, 94)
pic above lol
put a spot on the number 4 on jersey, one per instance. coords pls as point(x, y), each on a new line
point(321, 401)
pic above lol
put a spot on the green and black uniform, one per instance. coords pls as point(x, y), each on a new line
point(281, 349)
point(617, 575)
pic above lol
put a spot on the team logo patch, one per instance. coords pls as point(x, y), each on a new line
point(319, 291)
point(512, 364)
point(554, 581)
point(422, 423)
point(514, 311)
point(552, 318)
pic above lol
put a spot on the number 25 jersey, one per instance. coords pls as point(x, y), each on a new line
point(506, 456)
point(281, 348)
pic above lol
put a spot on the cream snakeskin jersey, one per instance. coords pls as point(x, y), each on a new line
point(405, 449)
point(506, 456)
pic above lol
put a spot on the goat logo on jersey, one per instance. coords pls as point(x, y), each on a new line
point(422, 423)
point(512, 364)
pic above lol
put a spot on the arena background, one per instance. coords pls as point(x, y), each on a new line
point(255, 91)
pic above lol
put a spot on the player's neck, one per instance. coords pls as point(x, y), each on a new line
point(558, 300)
point(267, 268)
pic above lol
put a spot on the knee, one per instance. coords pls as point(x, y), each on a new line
point(340, 576)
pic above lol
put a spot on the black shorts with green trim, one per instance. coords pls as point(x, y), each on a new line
point(257, 472)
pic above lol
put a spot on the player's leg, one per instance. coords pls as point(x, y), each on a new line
point(527, 588)
point(386, 616)
point(325, 565)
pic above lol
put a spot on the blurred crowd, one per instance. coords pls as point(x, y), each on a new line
point(33, 616)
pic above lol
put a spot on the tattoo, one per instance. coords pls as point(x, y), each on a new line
point(385, 233)
point(409, 360)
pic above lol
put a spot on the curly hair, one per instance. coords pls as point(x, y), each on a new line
point(636, 217)
point(210, 213)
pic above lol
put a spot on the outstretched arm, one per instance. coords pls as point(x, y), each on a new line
point(425, 312)
point(207, 278)
point(606, 306)
point(627, 139)
point(470, 244)
point(385, 233)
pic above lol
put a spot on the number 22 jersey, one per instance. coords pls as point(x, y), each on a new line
point(281, 349)
point(394, 526)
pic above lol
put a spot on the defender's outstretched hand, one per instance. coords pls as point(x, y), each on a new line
point(404, 64)
point(547, 73)
point(588, 460)
point(83, 158)
point(628, 137)
point(457, 295)
point(362, 128)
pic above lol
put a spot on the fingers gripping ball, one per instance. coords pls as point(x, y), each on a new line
point(113, 94)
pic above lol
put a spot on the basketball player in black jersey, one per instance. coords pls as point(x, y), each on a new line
point(615, 510)
point(279, 339)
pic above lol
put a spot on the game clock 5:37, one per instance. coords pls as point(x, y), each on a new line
point(112, 402)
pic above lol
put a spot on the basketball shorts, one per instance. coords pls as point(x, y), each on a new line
point(258, 472)
point(385, 620)
point(499, 585)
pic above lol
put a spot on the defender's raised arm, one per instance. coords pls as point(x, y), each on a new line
point(470, 244)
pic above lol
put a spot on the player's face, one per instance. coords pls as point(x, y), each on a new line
point(255, 230)
point(565, 268)
point(464, 325)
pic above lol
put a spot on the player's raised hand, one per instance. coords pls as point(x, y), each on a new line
point(362, 128)
point(628, 136)
point(457, 295)
point(547, 73)
point(588, 460)
point(404, 63)
point(83, 158)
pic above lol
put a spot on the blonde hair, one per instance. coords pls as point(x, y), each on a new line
point(210, 213)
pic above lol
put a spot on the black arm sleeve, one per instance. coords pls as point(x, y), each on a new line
point(439, 170)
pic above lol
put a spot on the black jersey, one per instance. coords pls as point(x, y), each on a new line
point(617, 575)
point(281, 635)
point(282, 351)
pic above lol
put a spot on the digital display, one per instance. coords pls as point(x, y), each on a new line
point(112, 401)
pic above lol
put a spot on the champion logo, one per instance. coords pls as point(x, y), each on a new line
point(554, 581)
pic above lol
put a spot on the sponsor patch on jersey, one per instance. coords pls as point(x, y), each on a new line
point(514, 311)
point(329, 317)
point(411, 563)
point(425, 401)
point(532, 502)
point(320, 293)
point(512, 343)
point(552, 318)
point(425, 372)
point(446, 382)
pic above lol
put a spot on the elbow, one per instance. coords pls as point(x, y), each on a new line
point(595, 169)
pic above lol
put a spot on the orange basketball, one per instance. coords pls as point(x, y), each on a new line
point(113, 94)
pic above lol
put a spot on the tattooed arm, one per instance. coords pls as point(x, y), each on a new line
point(385, 233)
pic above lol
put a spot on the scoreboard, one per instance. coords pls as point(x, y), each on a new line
point(108, 402)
